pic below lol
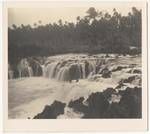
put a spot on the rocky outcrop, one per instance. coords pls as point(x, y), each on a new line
point(118, 68)
point(51, 111)
point(135, 71)
point(135, 80)
point(110, 104)
point(74, 72)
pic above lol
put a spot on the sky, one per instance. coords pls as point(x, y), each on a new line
point(30, 16)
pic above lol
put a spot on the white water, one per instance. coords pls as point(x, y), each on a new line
point(70, 68)
point(62, 68)
point(28, 96)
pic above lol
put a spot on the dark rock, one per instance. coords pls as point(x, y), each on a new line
point(120, 85)
point(86, 68)
point(78, 105)
point(36, 66)
point(52, 111)
point(133, 80)
point(74, 72)
point(118, 68)
point(98, 106)
point(108, 92)
point(135, 71)
point(116, 111)
point(132, 101)
point(106, 73)
point(102, 68)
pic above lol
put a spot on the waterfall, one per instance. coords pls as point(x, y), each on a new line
point(72, 69)
point(63, 74)
point(30, 71)
point(24, 68)
point(50, 69)
point(62, 68)
point(43, 70)
point(83, 70)
point(10, 72)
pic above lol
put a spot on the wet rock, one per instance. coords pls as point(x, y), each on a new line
point(115, 98)
point(86, 68)
point(118, 68)
point(135, 71)
point(78, 105)
point(24, 68)
point(136, 80)
point(102, 69)
point(108, 92)
point(97, 105)
point(132, 101)
point(116, 111)
point(106, 73)
point(95, 77)
point(74, 72)
point(51, 111)
point(124, 104)
point(120, 85)
point(36, 66)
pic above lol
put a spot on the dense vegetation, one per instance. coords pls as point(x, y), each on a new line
point(97, 32)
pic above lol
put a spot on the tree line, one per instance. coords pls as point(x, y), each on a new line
point(96, 32)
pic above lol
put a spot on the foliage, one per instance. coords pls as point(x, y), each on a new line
point(97, 32)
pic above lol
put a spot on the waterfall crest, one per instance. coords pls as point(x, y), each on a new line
point(61, 68)
point(72, 68)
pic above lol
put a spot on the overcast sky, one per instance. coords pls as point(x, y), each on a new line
point(30, 16)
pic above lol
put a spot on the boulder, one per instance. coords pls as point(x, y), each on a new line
point(51, 111)
point(135, 71)
point(118, 68)
point(106, 73)
point(78, 105)
point(74, 72)
point(135, 80)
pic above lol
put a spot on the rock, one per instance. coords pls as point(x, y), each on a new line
point(24, 68)
point(108, 92)
point(97, 105)
point(115, 98)
point(132, 101)
point(111, 104)
point(102, 69)
point(135, 71)
point(135, 79)
point(116, 111)
point(78, 105)
point(36, 67)
point(118, 68)
point(52, 111)
point(95, 77)
point(106, 73)
point(74, 72)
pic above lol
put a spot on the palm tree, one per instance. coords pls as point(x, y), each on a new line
point(14, 26)
point(40, 22)
point(92, 13)
point(35, 25)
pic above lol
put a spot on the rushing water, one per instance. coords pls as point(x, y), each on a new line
point(63, 68)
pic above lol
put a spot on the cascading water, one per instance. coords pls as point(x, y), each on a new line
point(72, 69)
point(65, 68)
point(24, 69)
point(10, 72)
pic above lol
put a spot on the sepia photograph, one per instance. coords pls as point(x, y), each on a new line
point(76, 61)
point(85, 64)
